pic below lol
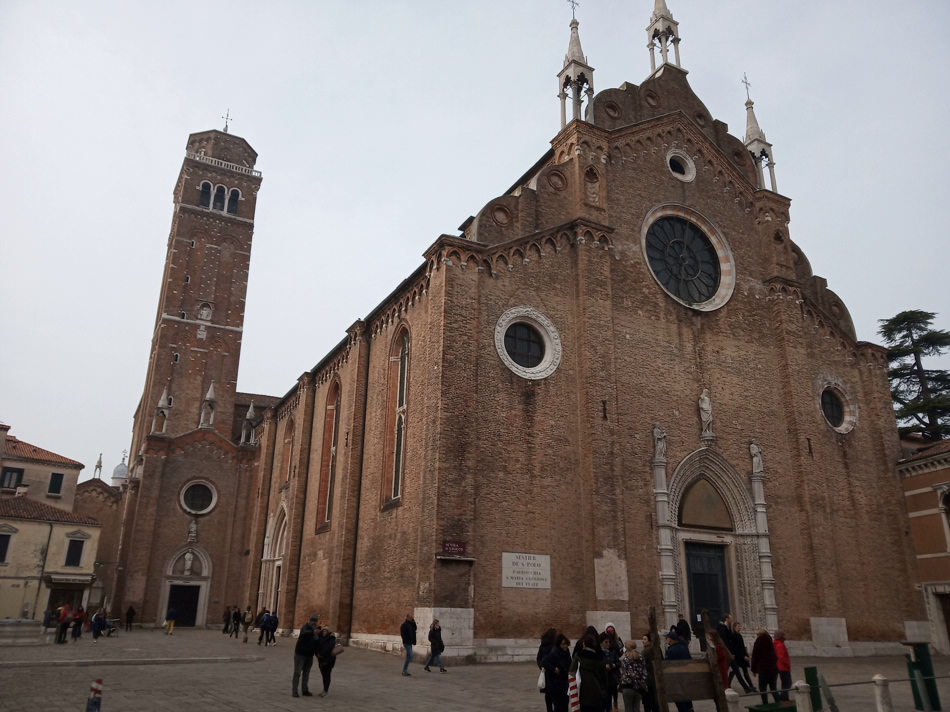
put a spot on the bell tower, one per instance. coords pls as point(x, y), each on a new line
point(196, 341)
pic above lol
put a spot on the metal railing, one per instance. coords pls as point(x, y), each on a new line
point(222, 164)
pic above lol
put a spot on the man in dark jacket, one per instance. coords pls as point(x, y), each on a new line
point(261, 620)
point(682, 629)
point(678, 650)
point(408, 632)
point(235, 622)
point(303, 655)
point(741, 654)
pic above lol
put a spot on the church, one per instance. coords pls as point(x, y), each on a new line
point(620, 386)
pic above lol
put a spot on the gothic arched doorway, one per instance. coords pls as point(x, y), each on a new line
point(185, 586)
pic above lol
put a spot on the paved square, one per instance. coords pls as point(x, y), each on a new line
point(33, 680)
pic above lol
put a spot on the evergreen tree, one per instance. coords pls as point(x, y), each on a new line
point(921, 395)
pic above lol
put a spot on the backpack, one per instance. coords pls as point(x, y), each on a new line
point(248, 617)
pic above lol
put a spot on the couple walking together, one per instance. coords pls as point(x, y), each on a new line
point(408, 633)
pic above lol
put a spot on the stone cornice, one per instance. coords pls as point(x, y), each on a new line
point(910, 468)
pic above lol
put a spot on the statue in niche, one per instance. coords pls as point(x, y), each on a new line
point(756, 453)
point(705, 413)
point(592, 184)
point(189, 560)
point(193, 530)
point(659, 442)
point(205, 312)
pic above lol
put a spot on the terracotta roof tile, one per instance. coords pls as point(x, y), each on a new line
point(261, 401)
point(936, 449)
point(20, 450)
point(26, 508)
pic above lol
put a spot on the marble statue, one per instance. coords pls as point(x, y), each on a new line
point(189, 560)
point(756, 453)
point(193, 530)
point(659, 442)
point(705, 412)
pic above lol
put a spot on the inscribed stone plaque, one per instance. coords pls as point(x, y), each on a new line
point(525, 570)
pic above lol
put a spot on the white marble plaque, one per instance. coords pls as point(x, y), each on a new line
point(525, 570)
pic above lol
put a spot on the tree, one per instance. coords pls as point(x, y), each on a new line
point(921, 395)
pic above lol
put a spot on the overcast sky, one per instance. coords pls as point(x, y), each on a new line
point(381, 125)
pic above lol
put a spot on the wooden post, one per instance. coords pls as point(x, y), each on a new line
point(712, 655)
point(658, 663)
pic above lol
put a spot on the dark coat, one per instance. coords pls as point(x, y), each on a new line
point(764, 659)
point(546, 647)
point(738, 649)
point(130, 614)
point(435, 640)
point(557, 659)
point(578, 646)
point(611, 656)
point(726, 634)
point(593, 677)
point(236, 616)
point(683, 630)
point(408, 632)
point(306, 643)
point(678, 651)
point(324, 649)
point(270, 623)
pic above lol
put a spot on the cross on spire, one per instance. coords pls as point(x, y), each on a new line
point(745, 80)
point(227, 118)
point(573, 4)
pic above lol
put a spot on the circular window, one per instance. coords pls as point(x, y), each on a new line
point(688, 257)
point(528, 343)
point(681, 165)
point(832, 407)
point(198, 498)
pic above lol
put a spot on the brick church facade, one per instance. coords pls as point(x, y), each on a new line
point(621, 386)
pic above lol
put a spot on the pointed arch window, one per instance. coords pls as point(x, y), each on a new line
point(205, 200)
point(289, 431)
point(397, 410)
point(233, 199)
point(219, 198)
point(331, 431)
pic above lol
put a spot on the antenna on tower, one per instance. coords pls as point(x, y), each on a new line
point(745, 80)
point(227, 118)
point(573, 4)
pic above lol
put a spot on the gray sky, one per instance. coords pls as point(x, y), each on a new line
point(381, 125)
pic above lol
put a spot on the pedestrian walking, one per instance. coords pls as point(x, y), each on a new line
point(227, 620)
point(740, 666)
point(724, 658)
point(407, 632)
point(677, 650)
point(765, 663)
point(546, 646)
point(235, 622)
point(261, 619)
point(79, 617)
point(327, 651)
point(783, 663)
point(272, 623)
point(65, 620)
point(246, 621)
point(556, 664)
point(49, 618)
point(724, 629)
point(304, 651)
point(612, 659)
point(436, 646)
point(170, 616)
point(129, 617)
point(593, 668)
point(649, 697)
point(633, 678)
point(99, 623)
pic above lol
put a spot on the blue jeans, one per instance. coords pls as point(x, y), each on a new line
point(408, 658)
point(436, 658)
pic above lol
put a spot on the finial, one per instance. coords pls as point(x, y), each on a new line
point(163, 399)
point(227, 118)
point(250, 412)
point(210, 394)
point(745, 80)
point(573, 4)
point(124, 453)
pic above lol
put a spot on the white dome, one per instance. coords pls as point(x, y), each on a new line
point(121, 471)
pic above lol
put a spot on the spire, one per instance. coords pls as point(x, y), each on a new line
point(576, 75)
point(663, 32)
point(250, 412)
point(207, 409)
point(210, 394)
point(161, 411)
point(163, 400)
point(574, 51)
point(758, 146)
point(247, 429)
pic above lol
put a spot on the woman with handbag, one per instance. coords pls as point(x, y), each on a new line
point(327, 649)
point(437, 647)
point(555, 665)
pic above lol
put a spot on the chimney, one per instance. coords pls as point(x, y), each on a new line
point(21, 490)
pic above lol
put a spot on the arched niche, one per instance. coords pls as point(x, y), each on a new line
point(704, 508)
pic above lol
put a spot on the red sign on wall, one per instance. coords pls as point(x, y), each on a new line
point(453, 547)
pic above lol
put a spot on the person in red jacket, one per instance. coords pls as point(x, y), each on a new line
point(764, 663)
point(784, 664)
point(723, 656)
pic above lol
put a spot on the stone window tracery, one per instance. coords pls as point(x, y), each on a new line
point(331, 429)
point(397, 411)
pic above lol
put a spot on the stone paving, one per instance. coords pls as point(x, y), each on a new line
point(218, 673)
